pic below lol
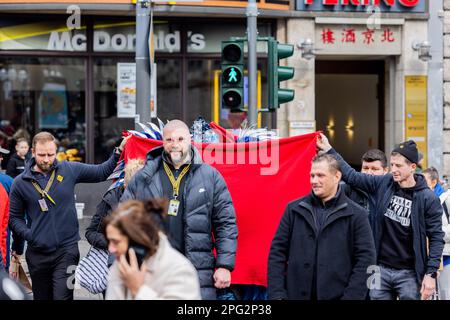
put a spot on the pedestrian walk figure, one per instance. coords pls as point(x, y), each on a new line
point(232, 76)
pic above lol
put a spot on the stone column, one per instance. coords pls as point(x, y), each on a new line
point(302, 108)
point(446, 147)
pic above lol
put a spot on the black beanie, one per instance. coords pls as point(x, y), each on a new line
point(408, 149)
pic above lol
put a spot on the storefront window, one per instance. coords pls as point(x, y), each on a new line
point(169, 89)
point(200, 91)
point(48, 93)
point(43, 94)
point(108, 127)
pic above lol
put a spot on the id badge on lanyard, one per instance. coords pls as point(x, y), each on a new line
point(44, 193)
point(43, 205)
point(174, 205)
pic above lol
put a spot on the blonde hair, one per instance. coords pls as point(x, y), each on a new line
point(43, 137)
point(133, 166)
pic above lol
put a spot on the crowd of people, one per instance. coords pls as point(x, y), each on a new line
point(170, 232)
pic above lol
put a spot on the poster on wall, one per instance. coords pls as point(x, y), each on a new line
point(52, 105)
point(126, 90)
point(416, 113)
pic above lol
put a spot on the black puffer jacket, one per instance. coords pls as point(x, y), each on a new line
point(208, 210)
point(94, 234)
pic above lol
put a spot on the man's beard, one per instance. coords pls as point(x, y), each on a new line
point(44, 167)
point(178, 157)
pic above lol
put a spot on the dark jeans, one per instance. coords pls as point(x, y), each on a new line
point(396, 283)
point(52, 274)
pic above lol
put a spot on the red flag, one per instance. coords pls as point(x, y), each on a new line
point(262, 178)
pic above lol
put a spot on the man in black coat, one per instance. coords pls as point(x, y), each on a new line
point(323, 247)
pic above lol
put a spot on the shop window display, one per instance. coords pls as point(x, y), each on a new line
point(108, 126)
point(40, 91)
point(43, 94)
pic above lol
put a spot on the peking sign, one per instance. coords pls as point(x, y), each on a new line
point(405, 6)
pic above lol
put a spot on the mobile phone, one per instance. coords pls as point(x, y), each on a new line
point(139, 250)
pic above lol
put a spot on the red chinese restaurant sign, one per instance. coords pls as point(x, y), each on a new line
point(358, 39)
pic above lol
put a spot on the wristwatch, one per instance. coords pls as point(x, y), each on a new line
point(432, 275)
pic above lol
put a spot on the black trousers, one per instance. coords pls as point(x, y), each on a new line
point(53, 274)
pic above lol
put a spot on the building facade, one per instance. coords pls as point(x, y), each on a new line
point(63, 77)
point(366, 86)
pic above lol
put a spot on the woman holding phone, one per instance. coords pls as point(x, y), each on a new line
point(146, 265)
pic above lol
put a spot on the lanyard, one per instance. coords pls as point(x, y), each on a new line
point(175, 183)
point(44, 192)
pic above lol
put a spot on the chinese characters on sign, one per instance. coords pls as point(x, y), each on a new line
point(358, 39)
point(350, 35)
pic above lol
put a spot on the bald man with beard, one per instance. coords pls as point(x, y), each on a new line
point(200, 206)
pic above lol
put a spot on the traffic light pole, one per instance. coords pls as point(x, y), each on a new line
point(143, 86)
point(252, 34)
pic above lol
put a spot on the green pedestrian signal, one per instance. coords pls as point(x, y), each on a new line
point(231, 76)
point(232, 84)
point(278, 73)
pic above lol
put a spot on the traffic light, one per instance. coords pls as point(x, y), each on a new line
point(232, 84)
point(277, 74)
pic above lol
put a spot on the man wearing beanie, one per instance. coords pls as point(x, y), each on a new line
point(407, 213)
